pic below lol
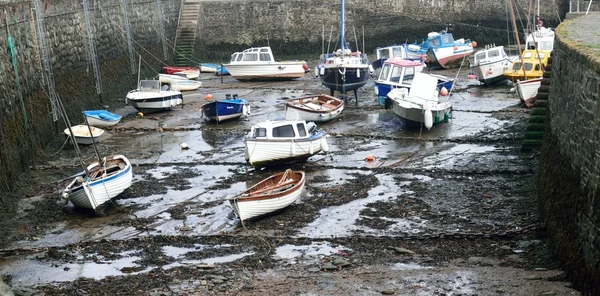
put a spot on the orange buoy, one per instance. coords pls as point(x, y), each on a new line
point(474, 44)
point(444, 91)
point(370, 157)
point(208, 97)
point(471, 76)
point(455, 47)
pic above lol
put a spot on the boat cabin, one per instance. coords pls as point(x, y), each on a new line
point(489, 55)
point(542, 39)
point(533, 64)
point(254, 55)
point(399, 71)
point(282, 129)
point(442, 39)
point(394, 51)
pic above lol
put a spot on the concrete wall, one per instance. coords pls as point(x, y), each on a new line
point(570, 164)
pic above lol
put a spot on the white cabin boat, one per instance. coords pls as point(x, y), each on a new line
point(316, 108)
point(283, 141)
point(489, 65)
point(269, 195)
point(179, 83)
point(420, 105)
point(541, 39)
point(82, 135)
point(100, 183)
point(258, 63)
point(149, 97)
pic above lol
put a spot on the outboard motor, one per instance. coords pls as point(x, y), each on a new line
point(228, 96)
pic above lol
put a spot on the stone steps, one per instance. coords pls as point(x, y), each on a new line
point(186, 33)
point(535, 127)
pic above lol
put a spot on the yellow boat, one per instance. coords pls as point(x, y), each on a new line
point(534, 65)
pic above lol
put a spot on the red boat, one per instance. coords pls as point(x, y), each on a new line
point(189, 72)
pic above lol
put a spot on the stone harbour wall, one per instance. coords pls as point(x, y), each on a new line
point(569, 176)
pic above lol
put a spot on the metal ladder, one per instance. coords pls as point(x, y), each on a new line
point(39, 19)
point(129, 40)
point(92, 45)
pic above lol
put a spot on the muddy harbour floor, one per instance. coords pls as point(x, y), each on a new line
point(449, 211)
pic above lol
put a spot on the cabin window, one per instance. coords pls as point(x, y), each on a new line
point(435, 42)
point(398, 52)
point(537, 67)
point(546, 45)
point(250, 57)
point(385, 71)
point(301, 129)
point(240, 56)
point(396, 73)
point(264, 50)
point(493, 53)
point(260, 132)
point(265, 57)
point(284, 131)
point(383, 53)
point(527, 55)
point(233, 57)
point(528, 66)
point(516, 66)
point(447, 39)
point(480, 56)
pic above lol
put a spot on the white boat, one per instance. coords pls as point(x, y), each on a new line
point(446, 52)
point(420, 105)
point(269, 195)
point(527, 90)
point(283, 141)
point(101, 118)
point(149, 97)
point(542, 39)
point(258, 63)
point(99, 183)
point(489, 65)
point(82, 134)
point(179, 83)
point(316, 108)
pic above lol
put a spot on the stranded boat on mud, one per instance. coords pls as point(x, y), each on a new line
point(316, 108)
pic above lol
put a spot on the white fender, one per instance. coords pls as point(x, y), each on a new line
point(293, 151)
point(324, 145)
point(428, 119)
point(311, 151)
point(357, 73)
point(322, 70)
point(317, 71)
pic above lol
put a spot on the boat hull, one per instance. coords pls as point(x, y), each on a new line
point(263, 152)
point(492, 73)
point(101, 118)
point(527, 90)
point(148, 102)
point(82, 134)
point(447, 57)
point(98, 122)
point(345, 78)
point(267, 72)
point(414, 115)
point(324, 109)
point(186, 85)
point(93, 194)
point(224, 109)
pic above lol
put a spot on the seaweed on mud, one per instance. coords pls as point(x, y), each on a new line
point(374, 222)
point(149, 185)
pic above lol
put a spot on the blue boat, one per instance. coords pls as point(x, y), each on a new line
point(399, 73)
point(229, 108)
point(101, 118)
point(396, 51)
point(213, 68)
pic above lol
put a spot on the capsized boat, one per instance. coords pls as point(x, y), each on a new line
point(420, 105)
point(283, 140)
point(316, 108)
point(82, 135)
point(269, 195)
point(229, 108)
point(149, 97)
point(258, 63)
point(99, 183)
point(101, 118)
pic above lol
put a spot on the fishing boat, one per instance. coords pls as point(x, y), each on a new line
point(149, 97)
point(530, 66)
point(269, 195)
point(420, 105)
point(187, 72)
point(101, 118)
point(283, 140)
point(398, 51)
point(541, 38)
point(445, 52)
point(344, 70)
point(229, 108)
point(316, 108)
point(399, 73)
point(179, 83)
point(258, 63)
point(82, 134)
point(100, 182)
point(527, 90)
point(490, 64)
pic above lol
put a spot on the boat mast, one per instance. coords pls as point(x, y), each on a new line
point(342, 28)
point(512, 15)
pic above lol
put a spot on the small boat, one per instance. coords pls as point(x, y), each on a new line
point(316, 108)
point(527, 90)
point(399, 73)
point(222, 71)
point(283, 141)
point(420, 105)
point(444, 51)
point(149, 97)
point(394, 51)
point(82, 134)
point(269, 195)
point(187, 72)
point(489, 65)
point(344, 70)
point(101, 118)
point(530, 66)
point(208, 68)
point(229, 108)
point(99, 183)
point(179, 83)
point(258, 63)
